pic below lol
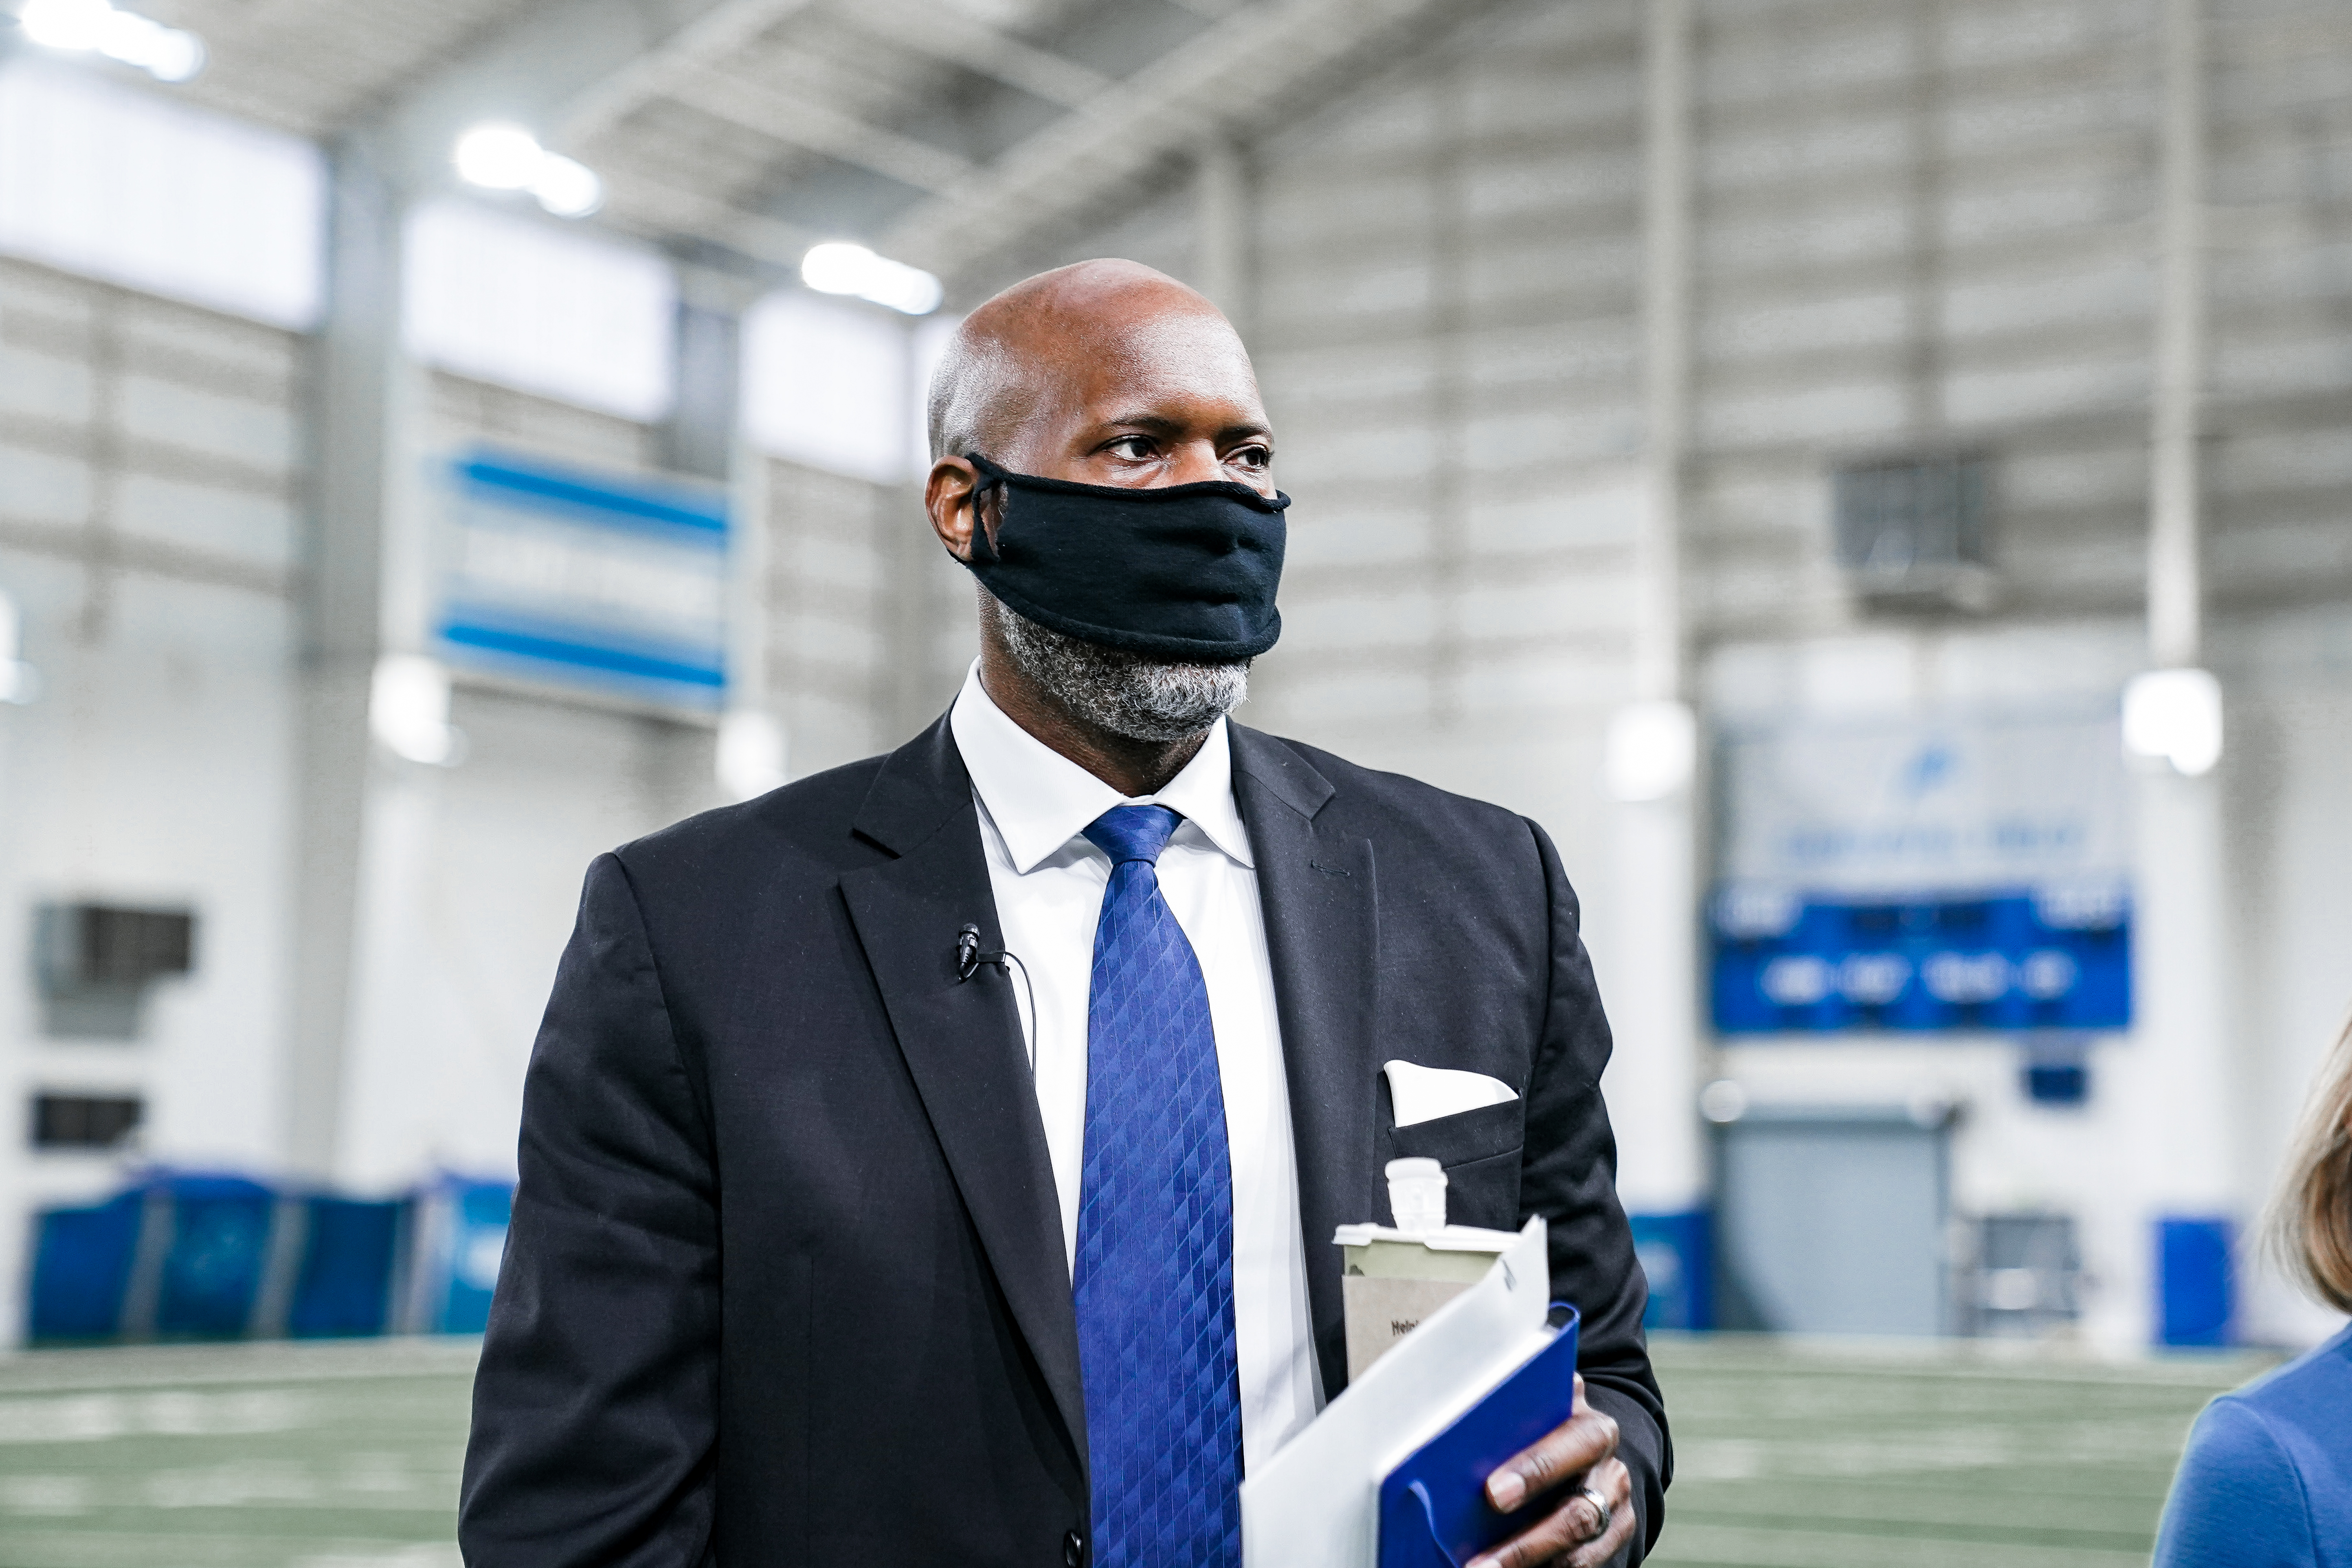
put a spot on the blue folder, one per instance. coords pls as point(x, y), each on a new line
point(1433, 1508)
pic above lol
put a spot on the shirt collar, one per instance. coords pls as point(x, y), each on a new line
point(1040, 800)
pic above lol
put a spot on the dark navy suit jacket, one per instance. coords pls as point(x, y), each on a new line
point(785, 1283)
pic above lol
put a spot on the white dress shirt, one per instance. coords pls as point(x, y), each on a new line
point(1034, 804)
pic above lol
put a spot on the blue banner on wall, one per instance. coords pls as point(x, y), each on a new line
point(1955, 874)
point(613, 582)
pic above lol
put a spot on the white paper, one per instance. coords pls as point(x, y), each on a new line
point(1315, 1503)
point(1418, 1094)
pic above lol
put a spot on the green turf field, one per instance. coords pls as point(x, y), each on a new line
point(265, 1456)
point(345, 1455)
point(1795, 1456)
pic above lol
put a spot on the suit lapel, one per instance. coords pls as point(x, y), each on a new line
point(962, 1039)
point(1322, 933)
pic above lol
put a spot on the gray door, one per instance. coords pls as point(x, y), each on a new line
point(1832, 1223)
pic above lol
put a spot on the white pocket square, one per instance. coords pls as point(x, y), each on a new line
point(1424, 1094)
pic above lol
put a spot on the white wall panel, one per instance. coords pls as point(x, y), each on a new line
point(242, 430)
point(204, 517)
point(49, 386)
point(43, 487)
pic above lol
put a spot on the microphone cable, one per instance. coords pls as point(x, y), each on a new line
point(969, 959)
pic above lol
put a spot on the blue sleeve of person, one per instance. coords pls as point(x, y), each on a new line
point(2239, 1499)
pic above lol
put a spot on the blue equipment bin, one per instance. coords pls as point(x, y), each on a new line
point(461, 1237)
point(220, 1245)
point(1677, 1256)
point(2196, 1284)
point(184, 1256)
point(351, 1258)
point(82, 1259)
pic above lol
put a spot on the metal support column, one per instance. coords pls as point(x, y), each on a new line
point(1666, 219)
point(361, 410)
point(2176, 599)
point(1220, 224)
point(1653, 750)
point(703, 439)
point(2176, 1098)
point(699, 438)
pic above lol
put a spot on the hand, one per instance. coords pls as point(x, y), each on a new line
point(1578, 1455)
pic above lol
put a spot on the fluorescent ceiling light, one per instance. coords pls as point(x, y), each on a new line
point(567, 188)
point(500, 157)
point(94, 26)
point(837, 267)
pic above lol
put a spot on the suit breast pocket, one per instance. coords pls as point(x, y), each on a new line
point(1480, 1151)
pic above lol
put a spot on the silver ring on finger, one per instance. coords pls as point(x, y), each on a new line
point(1600, 1510)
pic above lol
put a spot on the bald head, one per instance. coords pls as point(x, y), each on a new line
point(1105, 374)
point(1105, 337)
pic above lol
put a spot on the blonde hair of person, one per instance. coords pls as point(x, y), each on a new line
point(2310, 1221)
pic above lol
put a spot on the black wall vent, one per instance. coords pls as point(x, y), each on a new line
point(85, 1121)
point(1911, 531)
point(95, 962)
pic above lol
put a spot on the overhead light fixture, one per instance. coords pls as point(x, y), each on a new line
point(749, 757)
point(501, 157)
point(19, 682)
point(408, 709)
point(1651, 750)
point(838, 266)
point(94, 26)
point(2174, 716)
point(1724, 1101)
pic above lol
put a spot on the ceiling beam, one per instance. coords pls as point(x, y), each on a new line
point(949, 35)
point(571, 69)
point(661, 209)
point(530, 72)
point(1231, 79)
point(716, 34)
point(785, 118)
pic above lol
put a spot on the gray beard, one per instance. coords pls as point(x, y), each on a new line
point(1124, 693)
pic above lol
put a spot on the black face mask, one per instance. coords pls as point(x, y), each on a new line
point(1184, 573)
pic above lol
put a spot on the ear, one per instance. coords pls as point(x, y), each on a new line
point(948, 499)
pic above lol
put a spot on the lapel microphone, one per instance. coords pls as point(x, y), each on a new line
point(969, 958)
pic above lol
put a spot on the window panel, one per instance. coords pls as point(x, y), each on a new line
point(826, 383)
point(114, 182)
point(529, 305)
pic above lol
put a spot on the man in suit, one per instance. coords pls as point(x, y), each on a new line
point(936, 1161)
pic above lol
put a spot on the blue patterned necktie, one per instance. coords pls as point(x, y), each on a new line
point(1154, 1281)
